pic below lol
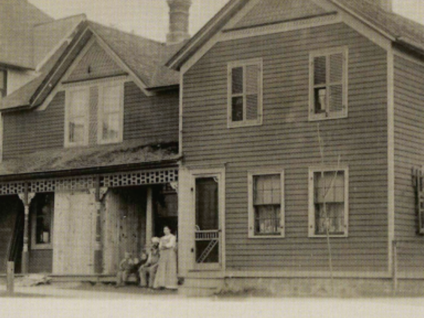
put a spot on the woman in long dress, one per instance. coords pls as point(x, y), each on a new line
point(166, 276)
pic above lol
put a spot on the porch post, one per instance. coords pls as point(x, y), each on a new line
point(149, 217)
point(98, 248)
point(26, 199)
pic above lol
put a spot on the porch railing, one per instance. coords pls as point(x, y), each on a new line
point(211, 236)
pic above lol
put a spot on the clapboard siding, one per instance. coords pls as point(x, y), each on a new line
point(153, 118)
point(149, 119)
point(409, 145)
point(289, 141)
point(29, 131)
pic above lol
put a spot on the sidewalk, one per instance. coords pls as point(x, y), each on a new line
point(86, 291)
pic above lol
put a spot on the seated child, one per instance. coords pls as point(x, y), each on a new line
point(127, 267)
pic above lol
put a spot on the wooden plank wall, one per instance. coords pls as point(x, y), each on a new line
point(110, 239)
point(409, 142)
point(123, 226)
point(288, 140)
point(151, 119)
point(41, 261)
point(74, 233)
point(409, 153)
point(25, 132)
point(147, 119)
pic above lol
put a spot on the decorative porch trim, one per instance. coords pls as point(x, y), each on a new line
point(114, 180)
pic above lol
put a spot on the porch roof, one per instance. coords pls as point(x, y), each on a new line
point(90, 158)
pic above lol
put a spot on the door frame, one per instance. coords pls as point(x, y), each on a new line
point(220, 175)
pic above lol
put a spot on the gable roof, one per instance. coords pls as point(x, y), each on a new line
point(402, 29)
point(144, 57)
point(394, 26)
point(17, 20)
point(273, 11)
point(49, 36)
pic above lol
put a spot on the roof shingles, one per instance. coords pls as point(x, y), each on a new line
point(57, 160)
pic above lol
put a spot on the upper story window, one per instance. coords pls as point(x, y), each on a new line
point(328, 84)
point(245, 93)
point(266, 205)
point(328, 202)
point(94, 114)
point(110, 114)
point(77, 110)
point(3, 83)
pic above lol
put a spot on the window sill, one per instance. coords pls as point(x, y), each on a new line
point(331, 236)
point(267, 237)
point(232, 125)
point(109, 142)
point(39, 247)
point(321, 117)
point(70, 145)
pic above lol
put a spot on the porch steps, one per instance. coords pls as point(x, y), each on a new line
point(200, 287)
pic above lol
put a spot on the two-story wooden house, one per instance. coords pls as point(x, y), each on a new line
point(90, 152)
point(300, 124)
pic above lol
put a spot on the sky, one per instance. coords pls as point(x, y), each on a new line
point(149, 18)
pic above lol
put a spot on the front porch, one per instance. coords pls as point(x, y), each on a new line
point(80, 227)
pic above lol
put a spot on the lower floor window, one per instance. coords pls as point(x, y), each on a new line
point(328, 202)
point(42, 211)
point(329, 215)
point(266, 207)
point(267, 220)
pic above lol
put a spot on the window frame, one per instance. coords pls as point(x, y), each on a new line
point(251, 209)
point(244, 123)
point(34, 244)
point(100, 113)
point(311, 190)
point(101, 86)
point(68, 92)
point(345, 83)
point(3, 92)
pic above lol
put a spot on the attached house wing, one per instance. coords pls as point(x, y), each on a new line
point(141, 58)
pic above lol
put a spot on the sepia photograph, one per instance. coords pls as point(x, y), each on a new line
point(211, 158)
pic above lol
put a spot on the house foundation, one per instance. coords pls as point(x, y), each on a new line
point(302, 287)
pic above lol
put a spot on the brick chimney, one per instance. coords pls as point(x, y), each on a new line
point(178, 21)
point(386, 4)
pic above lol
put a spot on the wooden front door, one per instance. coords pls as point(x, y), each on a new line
point(207, 223)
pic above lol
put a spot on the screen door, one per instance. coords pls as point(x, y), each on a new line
point(207, 231)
